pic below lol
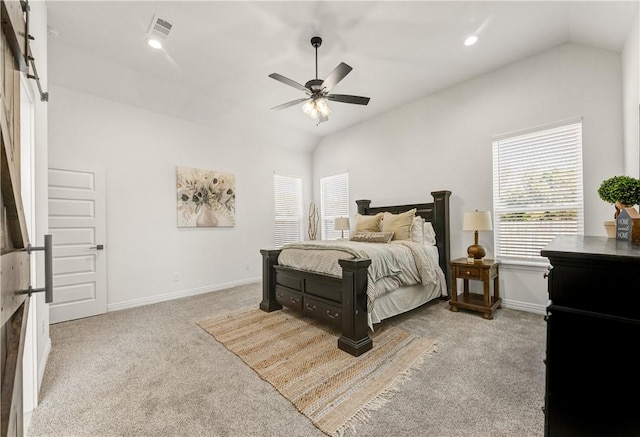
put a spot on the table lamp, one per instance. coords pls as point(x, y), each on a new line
point(476, 221)
point(341, 224)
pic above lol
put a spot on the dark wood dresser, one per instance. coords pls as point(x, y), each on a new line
point(593, 337)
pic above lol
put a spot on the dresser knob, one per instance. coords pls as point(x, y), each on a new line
point(545, 275)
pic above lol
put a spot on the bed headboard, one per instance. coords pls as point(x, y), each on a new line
point(436, 212)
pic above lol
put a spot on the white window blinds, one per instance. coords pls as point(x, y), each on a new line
point(334, 202)
point(288, 209)
point(537, 189)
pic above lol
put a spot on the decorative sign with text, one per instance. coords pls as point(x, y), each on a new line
point(628, 225)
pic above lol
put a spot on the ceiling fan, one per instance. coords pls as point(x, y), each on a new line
point(317, 90)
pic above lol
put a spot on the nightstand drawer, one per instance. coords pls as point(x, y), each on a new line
point(469, 272)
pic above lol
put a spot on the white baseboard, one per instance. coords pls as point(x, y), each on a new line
point(524, 306)
point(179, 294)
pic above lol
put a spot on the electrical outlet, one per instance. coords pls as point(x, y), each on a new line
point(176, 277)
point(42, 327)
point(246, 267)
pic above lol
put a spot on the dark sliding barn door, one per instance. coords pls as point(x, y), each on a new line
point(14, 241)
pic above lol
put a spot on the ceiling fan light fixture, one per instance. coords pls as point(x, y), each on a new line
point(310, 109)
point(316, 108)
point(323, 108)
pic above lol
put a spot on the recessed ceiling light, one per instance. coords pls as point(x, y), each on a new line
point(154, 43)
point(471, 40)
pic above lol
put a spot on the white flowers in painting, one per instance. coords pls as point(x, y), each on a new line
point(205, 197)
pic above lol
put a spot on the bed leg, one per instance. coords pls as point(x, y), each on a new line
point(355, 329)
point(269, 259)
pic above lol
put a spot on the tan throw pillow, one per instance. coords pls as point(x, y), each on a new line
point(368, 223)
point(372, 237)
point(399, 224)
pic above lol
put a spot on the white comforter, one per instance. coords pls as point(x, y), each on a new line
point(393, 265)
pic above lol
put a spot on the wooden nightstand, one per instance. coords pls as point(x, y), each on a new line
point(485, 272)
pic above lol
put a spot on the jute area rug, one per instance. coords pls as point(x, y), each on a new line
point(301, 359)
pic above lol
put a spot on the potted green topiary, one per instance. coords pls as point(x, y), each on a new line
point(622, 192)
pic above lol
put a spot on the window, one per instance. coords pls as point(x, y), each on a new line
point(537, 189)
point(334, 202)
point(288, 207)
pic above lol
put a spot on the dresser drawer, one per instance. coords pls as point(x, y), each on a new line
point(323, 311)
point(602, 287)
point(289, 298)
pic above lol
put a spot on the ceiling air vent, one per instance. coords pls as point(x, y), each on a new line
point(160, 28)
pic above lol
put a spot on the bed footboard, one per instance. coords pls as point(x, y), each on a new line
point(340, 302)
point(269, 259)
point(355, 329)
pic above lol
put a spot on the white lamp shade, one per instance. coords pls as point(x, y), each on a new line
point(341, 224)
point(477, 221)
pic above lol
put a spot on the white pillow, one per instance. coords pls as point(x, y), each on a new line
point(429, 234)
point(417, 229)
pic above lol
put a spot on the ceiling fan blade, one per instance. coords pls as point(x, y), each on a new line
point(289, 104)
point(289, 82)
point(335, 76)
point(348, 99)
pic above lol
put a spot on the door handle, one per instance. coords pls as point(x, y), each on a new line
point(48, 270)
point(97, 247)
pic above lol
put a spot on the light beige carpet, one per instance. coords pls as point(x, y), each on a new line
point(301, 359)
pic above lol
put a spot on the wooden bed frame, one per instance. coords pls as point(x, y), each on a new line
point(342, 302)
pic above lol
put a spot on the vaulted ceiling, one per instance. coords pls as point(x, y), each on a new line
point(218, 55)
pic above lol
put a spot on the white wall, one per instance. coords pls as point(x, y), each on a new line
point(444, 141)
point(140, 150)
point(631, 99)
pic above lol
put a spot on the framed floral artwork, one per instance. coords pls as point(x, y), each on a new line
point(206, 198)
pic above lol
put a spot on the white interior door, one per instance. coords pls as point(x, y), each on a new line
point(78, 225)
